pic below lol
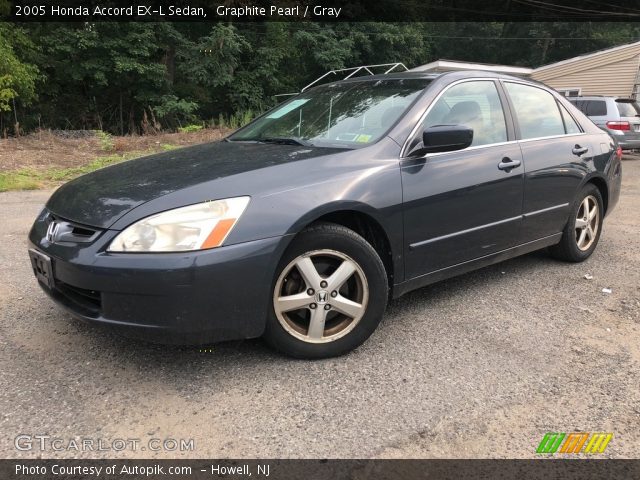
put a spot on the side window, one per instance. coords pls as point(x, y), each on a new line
point(475, 104)
point(570, 125)
point(580, 105)
point(536, 110)
point(596, 108)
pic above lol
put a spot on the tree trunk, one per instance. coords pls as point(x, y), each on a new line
point(121, 118)
point(132, 122)
point(545, 50)
point(170, 62)
point(16, 126)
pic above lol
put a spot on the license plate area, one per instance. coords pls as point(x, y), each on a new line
point(42, 267)
point(636, 127)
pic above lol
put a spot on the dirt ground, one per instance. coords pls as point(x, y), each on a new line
point(47, 149)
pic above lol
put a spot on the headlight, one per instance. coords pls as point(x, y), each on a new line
point(196, 227)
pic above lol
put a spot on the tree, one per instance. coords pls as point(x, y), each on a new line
point(129, 77)
point(17, 78)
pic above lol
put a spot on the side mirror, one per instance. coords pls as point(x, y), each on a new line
point(445, 138)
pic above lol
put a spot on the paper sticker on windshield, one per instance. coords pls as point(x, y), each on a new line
point(288, 108)
point(363, 138)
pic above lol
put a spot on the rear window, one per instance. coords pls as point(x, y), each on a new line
point(591, 108)
point(628, 108)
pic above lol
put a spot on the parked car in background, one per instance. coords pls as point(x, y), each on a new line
point(300, 226)
point(620, 117)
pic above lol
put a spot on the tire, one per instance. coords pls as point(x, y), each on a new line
point(581, 234)
point(303, 322)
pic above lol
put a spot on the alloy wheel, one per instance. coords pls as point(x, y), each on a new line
point(587, 223)
point(321, 296)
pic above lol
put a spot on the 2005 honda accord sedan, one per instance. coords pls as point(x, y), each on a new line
point(300, 226)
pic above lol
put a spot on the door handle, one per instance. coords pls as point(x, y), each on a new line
point(578, 150)
point(507, 164)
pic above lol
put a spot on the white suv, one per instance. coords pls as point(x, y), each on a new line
point(620, 117)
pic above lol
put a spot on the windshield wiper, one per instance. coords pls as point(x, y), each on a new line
point(285, 141)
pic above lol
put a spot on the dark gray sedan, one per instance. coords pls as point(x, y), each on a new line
point(300, 226)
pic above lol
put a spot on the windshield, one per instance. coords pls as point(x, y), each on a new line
point(351, 114)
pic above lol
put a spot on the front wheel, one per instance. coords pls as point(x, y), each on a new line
point(582, 232)
point(329, 295)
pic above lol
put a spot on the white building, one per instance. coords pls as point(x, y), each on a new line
point(611, 72)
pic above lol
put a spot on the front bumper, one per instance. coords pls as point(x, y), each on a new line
point(184, 298)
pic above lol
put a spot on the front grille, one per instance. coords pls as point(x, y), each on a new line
point(88, 300)
point(60, 230)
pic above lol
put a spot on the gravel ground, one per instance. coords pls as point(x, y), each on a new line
point(478, 366)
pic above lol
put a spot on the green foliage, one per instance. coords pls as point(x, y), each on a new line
point(17, 78)
point(190, 128)
point(106, 140)
point(212, 60)
point(170, 106)
point(5, 8)
point(235, 120)
point(140, 77)
point(23, 179)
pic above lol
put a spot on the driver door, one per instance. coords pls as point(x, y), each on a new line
point(462, 205)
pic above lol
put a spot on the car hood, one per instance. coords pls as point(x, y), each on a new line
point(100, 198)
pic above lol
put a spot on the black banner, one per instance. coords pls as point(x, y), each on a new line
point(320, 10)
point(319, 469)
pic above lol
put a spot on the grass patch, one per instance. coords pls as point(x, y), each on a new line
point(23, 179)
point(190, 128)
point(31, 179)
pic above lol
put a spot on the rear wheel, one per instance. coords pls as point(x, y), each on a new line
point(329, 295)
point(582, 232)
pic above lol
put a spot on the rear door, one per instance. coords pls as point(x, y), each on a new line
point(463, 205)
point(555, 152)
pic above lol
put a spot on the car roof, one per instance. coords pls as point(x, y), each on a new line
point(453, 75)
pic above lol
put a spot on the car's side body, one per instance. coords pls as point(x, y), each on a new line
point(429, 217)
point(617, 116)
point(477, 215)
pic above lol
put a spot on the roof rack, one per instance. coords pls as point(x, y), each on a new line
point(350, 72)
